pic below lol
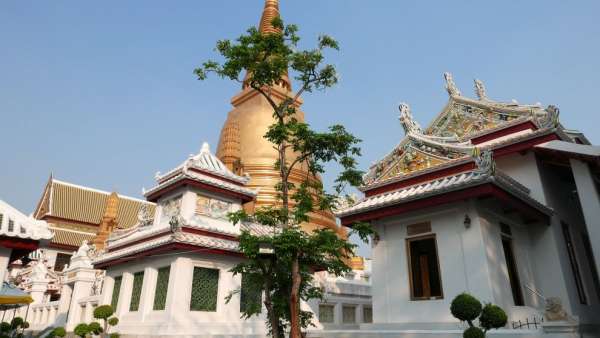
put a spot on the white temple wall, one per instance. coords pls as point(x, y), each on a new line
point(177, 317)
point(462, 259)
point(524, 169)
point(561, 198)
point(4, 260)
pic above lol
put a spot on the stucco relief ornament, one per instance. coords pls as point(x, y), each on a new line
point(408, 122)
point(175, 223)
point(554, 310)
point(485, 162)
point(144, 216)
point(480, 90)
point(39, 271)
point(550, 118)
point(450, 85)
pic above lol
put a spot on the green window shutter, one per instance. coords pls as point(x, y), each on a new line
point(115, 294)
point(136, 292)
point(250, 297)
point(205, 287)
point(162, 284)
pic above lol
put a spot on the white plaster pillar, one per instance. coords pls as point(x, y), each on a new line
point(4, 260)
point(590, 204)
point(82, 280)
point(178, 293)
point(147, 296)
point(107, 290)
point(52, 314)
point(63, 304)
point(338, 314)
point(476, 269)
point(38, 289)
point(124, 294)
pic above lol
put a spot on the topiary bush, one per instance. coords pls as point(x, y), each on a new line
point(473, 332)
point(16, 323)
point(114, 321)
point(82, 330)
point(114, 335)
point(492, 317)
point(4, 327)
point(465, 307)
point(58, 332)
point(468, 308)
point(95, 328)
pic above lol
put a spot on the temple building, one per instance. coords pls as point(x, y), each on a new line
point(495, 199)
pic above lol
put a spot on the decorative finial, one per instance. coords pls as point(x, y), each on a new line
point(270, 12)
point(450, 85)
point(157, 175)
point(480, 90)
point(407, 121)
point(550, 119)
point(205, 148)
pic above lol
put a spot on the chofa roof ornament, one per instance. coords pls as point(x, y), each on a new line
point(408, 122)
point(480, 90)
point(550, 118)
point(451, 86)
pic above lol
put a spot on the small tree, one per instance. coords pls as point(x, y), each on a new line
point(81, 330)
point(104, 313)
point(468, 308)
point(11, 330)
point(286, 275)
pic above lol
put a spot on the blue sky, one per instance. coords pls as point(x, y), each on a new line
point(102, 93)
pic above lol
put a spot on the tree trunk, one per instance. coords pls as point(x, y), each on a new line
point(271, 312)
point(295, 300)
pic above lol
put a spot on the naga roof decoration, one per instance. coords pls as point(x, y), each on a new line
point(449, 137)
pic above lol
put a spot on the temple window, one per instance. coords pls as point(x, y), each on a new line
point(61, 260)
point(162, 285)
point(348, 314)
point(205, 286)
point(511, 264)
point(115, 293)
point(587, 245)
point(11, 225)
point(136, 292)
point(424, 268)
point(249, 297)
point(326, 313)
point(367, 314)
point(1, 219)
point(574, 264)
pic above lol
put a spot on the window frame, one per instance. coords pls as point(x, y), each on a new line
point(574, 262)
point(332, 306)
point(114, 298)
point(158, 270)
point(137, 297)
point(216, 309)
point(407, 243)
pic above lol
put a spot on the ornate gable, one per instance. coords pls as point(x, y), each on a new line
point(449, 136)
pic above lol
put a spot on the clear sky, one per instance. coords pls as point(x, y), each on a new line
point(102, 93)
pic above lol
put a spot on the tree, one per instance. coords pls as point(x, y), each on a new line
point(468, 308)
point(104, 312)
point(286, 274)
point(81, 330)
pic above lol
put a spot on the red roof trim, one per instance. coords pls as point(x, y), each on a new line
point(141, 240)
point(163, 249)
point(55, 219)
point(207, 173)
point(62, 246)
point(526, 125)
point(463, 167)
point(430, 176)
point(156, 195)
point(486, 189)
point(18, 243)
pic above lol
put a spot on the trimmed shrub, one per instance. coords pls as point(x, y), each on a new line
point(114, 335)
point(82, 330)
point(492, 317)
point(16, 322)
point(473, 332)
point(465, 307)
point(95, 328)
point(103, 312)
point(59, 332)
point(4, 327)
point(114, 321)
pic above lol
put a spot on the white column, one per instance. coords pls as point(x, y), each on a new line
point(124, 294)
point(590, 204)
point(82, 280)
point(38, 289)
point(338, 314)
point(148, 287)
point(63, 304)
point(178, 292)
point(4, 260)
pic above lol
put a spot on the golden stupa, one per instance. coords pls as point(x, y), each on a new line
point(243, 148)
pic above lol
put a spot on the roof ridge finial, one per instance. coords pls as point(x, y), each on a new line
point(450, 85)
point(205, 148)
point(270, 12)
point(406, 119)
point(480, 90)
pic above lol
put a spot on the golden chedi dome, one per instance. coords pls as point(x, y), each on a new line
point(243, 148)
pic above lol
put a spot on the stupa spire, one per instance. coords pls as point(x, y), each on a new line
point(270, 12)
